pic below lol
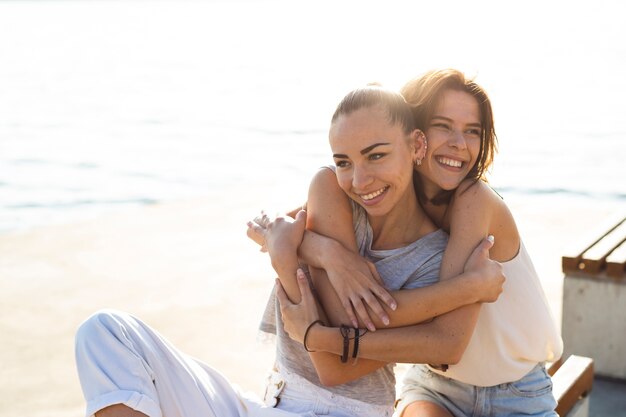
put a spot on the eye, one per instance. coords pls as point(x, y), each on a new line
point(473, 132)
point(441, 125)
point(376, 156)
point(342, 164)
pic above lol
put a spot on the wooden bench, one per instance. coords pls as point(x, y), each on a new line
point(594, 299)
point(605, 254)
point(572, 382)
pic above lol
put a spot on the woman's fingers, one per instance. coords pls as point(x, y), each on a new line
point(305, 289)
point(254, 228)
point(374, 304)
point(378, 289)
point(480, 254)
point(347, 306)
point(482, 250)
point(300, 216)
point(262, 220)
point(361, 311)
point(374, 272)
point(257, 235)
point(385, 297)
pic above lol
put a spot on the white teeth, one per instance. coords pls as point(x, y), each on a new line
point(450, 162)
point(373, 195)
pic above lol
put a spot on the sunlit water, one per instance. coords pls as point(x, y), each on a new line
point(110, 104)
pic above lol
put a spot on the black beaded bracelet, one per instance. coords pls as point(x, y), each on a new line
point(306, 333)
point(345, 333)
point(356, 344)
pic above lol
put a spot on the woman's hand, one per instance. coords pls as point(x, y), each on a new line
point(256, 230)
point(488, 274)
point(284, 234)
point(281, 233)
point(356, 282)
point(297, 317)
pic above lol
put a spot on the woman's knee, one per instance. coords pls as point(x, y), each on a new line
point(99, 325)
point(119, 410)
point(425, 409)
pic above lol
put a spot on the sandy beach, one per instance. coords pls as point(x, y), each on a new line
point(187, 269)
point(220, 109)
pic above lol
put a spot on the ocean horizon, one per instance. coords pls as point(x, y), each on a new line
point(106, 104)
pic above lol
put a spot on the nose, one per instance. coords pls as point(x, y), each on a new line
point(361, 177)
point(457, 139)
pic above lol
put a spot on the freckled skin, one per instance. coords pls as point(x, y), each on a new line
point(373, 156)
point(453, 133)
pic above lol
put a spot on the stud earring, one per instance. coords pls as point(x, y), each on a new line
point(418, 162)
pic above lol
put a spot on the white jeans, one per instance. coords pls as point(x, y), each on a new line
point(301, 396)
point(121, 360)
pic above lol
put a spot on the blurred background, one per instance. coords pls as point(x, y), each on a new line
point(137, 137)
point(110, 104)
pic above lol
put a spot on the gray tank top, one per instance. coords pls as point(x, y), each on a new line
point(412, 266)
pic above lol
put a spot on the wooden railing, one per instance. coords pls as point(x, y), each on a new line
point(605, 255)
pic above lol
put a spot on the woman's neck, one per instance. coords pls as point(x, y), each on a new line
point(403, 225)
point(436, 213)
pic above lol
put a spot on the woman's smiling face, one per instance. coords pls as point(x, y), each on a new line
point(374, 159)
point(453, 134)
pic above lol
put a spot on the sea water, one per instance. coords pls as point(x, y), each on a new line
point(112, 104)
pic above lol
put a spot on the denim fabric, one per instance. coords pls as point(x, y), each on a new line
point(528, 396)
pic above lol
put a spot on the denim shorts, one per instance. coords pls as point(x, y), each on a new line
point(528, 396)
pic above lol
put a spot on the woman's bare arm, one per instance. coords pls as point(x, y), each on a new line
point(347, 280)
point(444, 339)
point(420, 304)
point(480, 284)
point(329, 214)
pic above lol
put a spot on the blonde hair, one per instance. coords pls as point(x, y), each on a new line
point(391, 102)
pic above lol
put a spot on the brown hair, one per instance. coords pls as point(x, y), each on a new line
point(423, 94)
point(391, 102)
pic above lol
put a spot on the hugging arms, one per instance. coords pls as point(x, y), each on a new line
point(330, 249)
point(498, 349)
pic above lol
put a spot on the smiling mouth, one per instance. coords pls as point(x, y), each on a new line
point(373, 195)
point(454, 163)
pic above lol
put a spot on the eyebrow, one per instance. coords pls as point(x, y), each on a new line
point(447, 119)
point(363, 151)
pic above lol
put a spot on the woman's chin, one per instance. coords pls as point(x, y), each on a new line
point(375, 211)
point(450, 184)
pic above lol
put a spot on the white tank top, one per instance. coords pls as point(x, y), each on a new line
point(513, 334)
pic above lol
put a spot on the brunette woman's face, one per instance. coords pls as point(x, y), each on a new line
point(374, 159)
point(453, 135)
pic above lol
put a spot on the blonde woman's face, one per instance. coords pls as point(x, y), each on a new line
point(374, 160)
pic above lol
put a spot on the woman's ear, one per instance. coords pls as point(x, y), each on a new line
point(420, 145)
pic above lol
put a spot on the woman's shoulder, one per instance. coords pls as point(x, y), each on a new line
point(325, 173)
point(477, 201)
point(471, 193)
point(324, 181)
